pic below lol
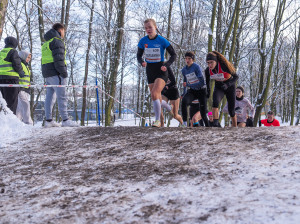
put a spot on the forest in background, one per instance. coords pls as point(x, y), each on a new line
point(261, 38)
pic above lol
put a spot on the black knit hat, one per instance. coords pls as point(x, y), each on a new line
point(190, 54)
point(211, 57)
point(241, 88)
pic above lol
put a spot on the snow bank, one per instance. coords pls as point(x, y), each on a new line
point(11, 128)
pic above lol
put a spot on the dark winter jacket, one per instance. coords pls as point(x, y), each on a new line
point(58, 67)
point(13, 57)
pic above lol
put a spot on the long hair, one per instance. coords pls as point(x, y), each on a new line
point(153, 22)
point(224, 61)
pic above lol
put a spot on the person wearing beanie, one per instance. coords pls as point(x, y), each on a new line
point(10, 72)
point(211, 119)
point(224, 74)
point(23, 108)
point(54, 70)
point(243, 108)
point(194, 80)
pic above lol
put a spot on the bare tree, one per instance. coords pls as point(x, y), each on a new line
point(3, 7)
point(115, 60)
point(87, 64)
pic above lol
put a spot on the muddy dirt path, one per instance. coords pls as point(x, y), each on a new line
point(147, 175)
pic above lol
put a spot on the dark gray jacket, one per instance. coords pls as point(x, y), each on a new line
point(57, 47)
point(13, 57)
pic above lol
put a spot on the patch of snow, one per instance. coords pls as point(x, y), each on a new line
point(11, 127)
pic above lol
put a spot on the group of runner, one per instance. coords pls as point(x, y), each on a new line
point(163, 89)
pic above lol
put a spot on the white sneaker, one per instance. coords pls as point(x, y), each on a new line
point(69, 123)
point(51, 124)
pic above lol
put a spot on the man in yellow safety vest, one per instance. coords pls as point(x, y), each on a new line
point(10, 72)
point(54, 69)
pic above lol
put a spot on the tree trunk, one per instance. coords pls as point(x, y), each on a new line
point(62, 17)
point(219, 27)
point(121, 86)
point(210, 45)
point(262, 97)
point(169, 23)
point(212, 25)
point(84, 91)
point(67, 16)
point(232, 50)
point(41, 21)
point(3, 7)
point(115, 61)
point(295, 79)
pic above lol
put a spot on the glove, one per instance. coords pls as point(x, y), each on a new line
point(225, 86)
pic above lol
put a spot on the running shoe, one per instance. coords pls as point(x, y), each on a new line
point(69, 123)
point(156, 124)
point(182, 125)
point(51, 124)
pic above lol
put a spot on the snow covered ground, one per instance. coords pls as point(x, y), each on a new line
point(148, 175)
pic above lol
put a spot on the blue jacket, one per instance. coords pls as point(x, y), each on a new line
point(193, 76)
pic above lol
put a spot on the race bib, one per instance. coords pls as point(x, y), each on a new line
point(218, 77)
point(239, 111)
point(192, 78)
point(152, 54)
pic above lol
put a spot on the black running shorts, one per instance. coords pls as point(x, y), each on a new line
point(171, 93)
point(153, 71)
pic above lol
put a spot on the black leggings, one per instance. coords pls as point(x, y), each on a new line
point(10, 94)
point(230, 95)
point(188, 99)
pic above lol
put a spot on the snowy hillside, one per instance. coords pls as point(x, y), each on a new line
point(147, 175)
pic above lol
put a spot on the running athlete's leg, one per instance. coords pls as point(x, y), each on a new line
point(234, 121)
point(186, 101)
point(242, 125)
point(203, 106)
point(156, 89)
point(195, 119)
point(175, 104)
point(217, 97)
point(162, 124)
point(164, 103)
point(231, 95)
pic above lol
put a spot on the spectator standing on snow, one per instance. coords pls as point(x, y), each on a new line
point(10, 72)
point(23, 108)
point(270, 121)
point(54, 69)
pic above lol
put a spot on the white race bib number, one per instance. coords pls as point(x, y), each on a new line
point(239, 111)
point(218, 77)
point(152, 54)
point(192, 78)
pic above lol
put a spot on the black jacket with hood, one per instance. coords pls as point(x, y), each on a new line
point(57, 47)
point(13, 57)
